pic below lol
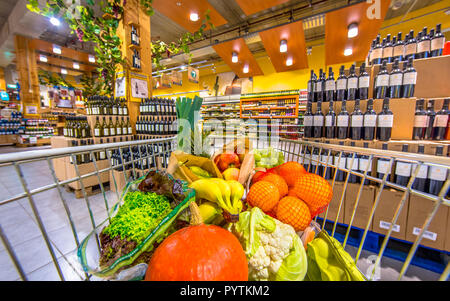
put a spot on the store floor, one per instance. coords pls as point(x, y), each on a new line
point(21, 228)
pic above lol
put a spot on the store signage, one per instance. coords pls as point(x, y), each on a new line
point(193, 75)
point(31, 109)
point(4, 96)
point(9, 86)
point(139, 88)
point(177, 78)
point(166, 80)
point(120, 89)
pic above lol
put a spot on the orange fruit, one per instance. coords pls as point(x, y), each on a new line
point(263, 195)
point(294, 212)
point(315, 191)
point(258, 176)
point(291, 193)
point(278, 181)
point(291, 171)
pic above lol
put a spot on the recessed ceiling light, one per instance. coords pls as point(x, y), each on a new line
point(91, 58)
point(56, 49)
point(234, 57)
point(352, 30)
point(193, 17)
point(178, 3)
point(183, 67)
point(63, 71)
point(289, 61)
point(245, 70)
point(43, 58)
point(283, 46)
point(55, 21)
point(76, 65)
point(348, 52)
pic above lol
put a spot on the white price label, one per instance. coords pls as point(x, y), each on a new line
point(342, 121)
point(370, 120)
point(357, 121)
point(387, 226)
point(427, 234)
point(410, 78)
point(403, 169)
point(438, 173)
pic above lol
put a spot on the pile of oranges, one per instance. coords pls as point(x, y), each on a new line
point(290, 194)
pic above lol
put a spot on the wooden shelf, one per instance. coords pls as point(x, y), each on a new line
point(270, 108)
point(296, 96)
point(132, 46)
point(133, 23)
point(268, 117)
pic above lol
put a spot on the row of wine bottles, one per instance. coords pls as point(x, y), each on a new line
point(397, 83)
point(423, 46)
point(77, 127)
point(428, 124)
point(146, 126)
point(355, 126)
point(430, 179)
point(157, 107)
point(103, 105)
point(111, 128)
point(143, 157)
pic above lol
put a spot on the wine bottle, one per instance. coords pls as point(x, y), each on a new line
point(424, 45)
point(318, 122)
point(364, 163)
point(382, 82)
point(410, 46)
point(437, 42)
point(356, 122)
point(369, 55)
point(395, 81)
point(118, 127)
point(341, 163)
point(308, 121)
point(403, 170)
point(112, 127)
point(341, 85)
point(409, 80)
point(355, 167)
point(327, 158)
point(105, 128)
point(315, 162)
point(388, 50)
point(377, 52)
point(319, 87)
point(383, 165)
point(370, 121)
point(441, 122)
point(399, 48)
point(306, 158)
point(352, 84)
point(330, 122)
point(124, 127)
point(385, 121)
point(420, 121)
point(330, 86)
point(130, 130)
point(420, 182)
point(343, 122)
point(431, 116)
point(363, 83)
point(437, 175)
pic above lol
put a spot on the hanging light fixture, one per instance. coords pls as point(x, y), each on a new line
point(193, 17)
point(352, 30)
point(234, 57)
point(283, 46)
point(289, 61)
point(348, 51)
point(245, 70)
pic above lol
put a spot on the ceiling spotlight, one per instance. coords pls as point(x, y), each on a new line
point(55, 21)
point(283, 46)
point(289, 61)
point(245, 70)
point(91, 58)
point(56, 49)
point(193, 17)
point(43, 58)
point(63, 71)
point(76, 65)
point(352, 30)
point(183, 67)
point(348, 52)
point(234, 57)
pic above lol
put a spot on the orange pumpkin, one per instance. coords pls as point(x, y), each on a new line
point(199, 253)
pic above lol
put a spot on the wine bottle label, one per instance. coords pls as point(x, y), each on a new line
point(396, 79)
point(106, 132)
point(130, 131)
point(114, 111)
point(363, 164)
point(364, 82)
point(377, 53)
point(410, 49)
point(318, 86)
point(120, 111)
point(307, 159)
point(385, 121)
point(318, 120)
point(357, 121)
point(355, 163)
point(427, 234)
point(437, 44)
point(424, 46)
point(342, 163)
point(403, 169)
point(310, 86)
point(330, 85)
point(342, 121)
point(314, 160)
point(383, 167)
point(370, 121)
point(399, 50)
point(440, 121)
point(65, 132)
point(102, 155)
point(353, 83)
point(388, 52)
point(83, 133)
point(342, 84)
point(97, 132)
point(113, 131)
point(323, 160)
point(410, 78)
point(124, 131)
point(328, 121)
point(119, 131)
point(423, 171)
point(382, 80)
point(420, 121)
point(438, 173)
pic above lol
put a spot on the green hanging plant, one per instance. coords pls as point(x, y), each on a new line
point(52, 79)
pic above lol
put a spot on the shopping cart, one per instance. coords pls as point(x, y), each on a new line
point(157, 151)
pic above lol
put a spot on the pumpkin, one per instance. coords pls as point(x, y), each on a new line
point(198, 252)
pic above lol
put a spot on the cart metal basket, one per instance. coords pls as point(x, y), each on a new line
point(42, 225)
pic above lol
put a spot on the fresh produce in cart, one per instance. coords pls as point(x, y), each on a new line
point(268, 158)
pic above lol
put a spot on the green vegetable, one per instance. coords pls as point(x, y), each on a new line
point(274, 251)
point(268, 158)
point(138, 216)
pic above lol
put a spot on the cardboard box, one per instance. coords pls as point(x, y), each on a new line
point(385, 211)
point(117, 178)
point(85, 169)
point(8, 139)
point(334, 204)
point(419, 209)
point(364, 205)
point(59, 165)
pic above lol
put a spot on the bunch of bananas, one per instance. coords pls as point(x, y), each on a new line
point(226, 194)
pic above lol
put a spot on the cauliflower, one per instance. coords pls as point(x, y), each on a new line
point(274, 251)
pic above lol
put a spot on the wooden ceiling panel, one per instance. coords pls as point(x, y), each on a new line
point(336, 29)
point(57, 70)
point(179, 11)
point(67, 64)
point(245, 56)
point(251, 7)
point(40, 45)
point(296, 46)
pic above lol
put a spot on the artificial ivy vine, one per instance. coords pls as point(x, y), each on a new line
point(52, 79)
point(102, 31)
